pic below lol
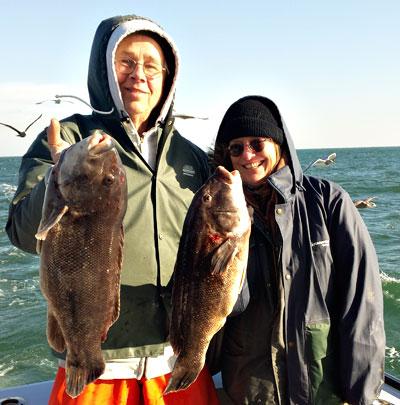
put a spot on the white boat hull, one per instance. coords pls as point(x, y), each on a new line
point(38, 393)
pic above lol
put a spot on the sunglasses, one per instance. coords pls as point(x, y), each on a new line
point(256, 145)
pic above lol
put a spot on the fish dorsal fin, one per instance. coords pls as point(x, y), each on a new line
point(121, 237)
point(223, 255)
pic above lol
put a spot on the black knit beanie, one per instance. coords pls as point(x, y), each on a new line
point(251, 116)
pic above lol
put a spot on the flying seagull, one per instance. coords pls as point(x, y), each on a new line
point(322, 162)
point(188, 117)
point(55, 101)
point(22, 134)
point(366, 203)
point(59, 96)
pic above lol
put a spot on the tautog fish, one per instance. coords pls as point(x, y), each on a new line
point(209, 271)
point(80, 239)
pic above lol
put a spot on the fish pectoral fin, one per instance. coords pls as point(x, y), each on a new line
point(243, 278)
point(250, 210)
point(39, 244)
point(54, 334)
point(223, 256)
point(48, 222)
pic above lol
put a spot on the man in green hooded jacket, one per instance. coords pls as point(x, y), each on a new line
point(132, 77)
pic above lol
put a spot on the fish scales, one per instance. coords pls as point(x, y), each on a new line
point(80, 240)
point(209, 271)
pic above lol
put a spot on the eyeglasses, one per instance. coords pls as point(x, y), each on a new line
point(256, 145)
point(126, 66)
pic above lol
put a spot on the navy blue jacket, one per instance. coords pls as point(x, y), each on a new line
point(333, 304)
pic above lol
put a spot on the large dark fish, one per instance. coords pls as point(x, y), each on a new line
point(209, 271)
point(80, 239)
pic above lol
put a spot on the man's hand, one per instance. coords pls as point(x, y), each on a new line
point(56, 144)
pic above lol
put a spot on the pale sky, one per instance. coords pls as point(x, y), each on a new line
point(333, 68)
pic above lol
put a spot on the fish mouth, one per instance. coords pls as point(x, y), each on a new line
point(228, 211)
point(226, 176)
point(100, 143)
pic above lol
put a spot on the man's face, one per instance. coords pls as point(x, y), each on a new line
point(140, 92)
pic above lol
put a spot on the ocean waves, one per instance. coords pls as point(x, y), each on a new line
point(7, 191)
point(25, 356)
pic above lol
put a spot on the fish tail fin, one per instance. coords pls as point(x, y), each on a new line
point(182, 376)
point(78, 375)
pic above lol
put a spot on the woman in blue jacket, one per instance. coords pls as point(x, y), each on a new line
point(312, 331)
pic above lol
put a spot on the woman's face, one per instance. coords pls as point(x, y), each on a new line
point(254, 157)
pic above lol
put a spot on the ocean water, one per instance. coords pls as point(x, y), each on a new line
point(363, 172)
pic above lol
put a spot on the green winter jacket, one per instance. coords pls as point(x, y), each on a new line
point(158, 198)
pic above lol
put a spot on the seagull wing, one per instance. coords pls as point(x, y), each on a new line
point(55, 101)
point(40, 116)
point(186, 117)
point(331, 157)
point(45, 101)
point(9, 126)
point(318, 162)
point(308, 166)
point(58, 96)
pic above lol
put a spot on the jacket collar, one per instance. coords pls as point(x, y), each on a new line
point(282, 182)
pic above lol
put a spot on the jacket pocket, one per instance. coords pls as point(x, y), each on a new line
point(317, 357)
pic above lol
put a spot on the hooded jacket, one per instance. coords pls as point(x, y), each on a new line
point(160, 190)
point(325, 262)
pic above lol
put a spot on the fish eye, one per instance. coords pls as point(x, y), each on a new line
point(108, 180)
point(207, 197)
